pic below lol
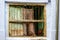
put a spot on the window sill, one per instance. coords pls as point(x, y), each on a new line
point(23, 38)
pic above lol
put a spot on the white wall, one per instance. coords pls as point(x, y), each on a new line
point(51, 20)
point(27, 1)
point(2, 21)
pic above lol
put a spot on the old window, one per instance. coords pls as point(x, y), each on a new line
point(27, 20)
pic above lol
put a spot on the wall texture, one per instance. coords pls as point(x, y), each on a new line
point(51, 19)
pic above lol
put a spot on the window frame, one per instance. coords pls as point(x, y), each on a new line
point(7, 10)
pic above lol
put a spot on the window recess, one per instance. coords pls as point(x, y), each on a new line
point(27, 20)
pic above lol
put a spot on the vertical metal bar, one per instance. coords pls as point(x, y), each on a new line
point(57, 18)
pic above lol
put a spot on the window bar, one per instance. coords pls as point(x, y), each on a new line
point(25, 21)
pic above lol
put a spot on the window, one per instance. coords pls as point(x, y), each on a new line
point(27, 20)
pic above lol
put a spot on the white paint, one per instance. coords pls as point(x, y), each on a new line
point(2, 27)
point(25, 38)
point(51, 19)
point(27, 1)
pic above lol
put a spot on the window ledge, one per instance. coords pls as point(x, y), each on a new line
point(18, 38)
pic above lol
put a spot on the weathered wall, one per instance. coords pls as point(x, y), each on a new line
point(51, 19)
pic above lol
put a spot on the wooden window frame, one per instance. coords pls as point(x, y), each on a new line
point(29, 20)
